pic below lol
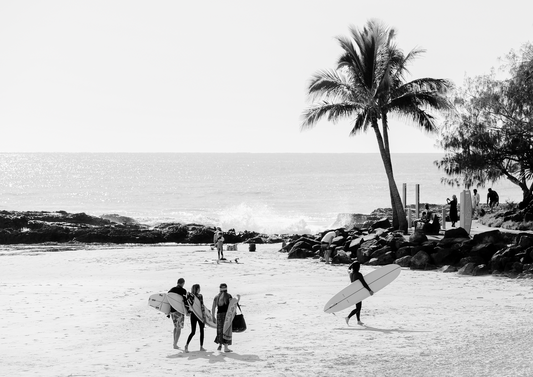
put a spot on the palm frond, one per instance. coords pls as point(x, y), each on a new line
point(333, 112)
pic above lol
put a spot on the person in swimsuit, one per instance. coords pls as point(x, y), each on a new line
point(356, 275)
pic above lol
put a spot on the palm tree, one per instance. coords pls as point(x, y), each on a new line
point(368, 84)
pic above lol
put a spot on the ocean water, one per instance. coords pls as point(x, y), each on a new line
point(271, 193)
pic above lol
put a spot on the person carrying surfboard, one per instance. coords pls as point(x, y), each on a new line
point(195, 294)
point(224, 306)
point(178, 318)
point(353, 270)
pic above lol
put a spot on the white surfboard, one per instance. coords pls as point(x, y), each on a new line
point(196, 308)
point(465, 220)
point(160, 302)
point(355, 292)
point(176, 301)
point(232, 308)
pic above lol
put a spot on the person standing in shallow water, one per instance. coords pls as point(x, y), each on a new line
point(220, 307)
point(356, 275)
point(453, 209)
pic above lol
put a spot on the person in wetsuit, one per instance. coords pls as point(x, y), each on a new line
point(356, 275)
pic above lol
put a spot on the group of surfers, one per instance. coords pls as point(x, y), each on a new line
point(219, 310)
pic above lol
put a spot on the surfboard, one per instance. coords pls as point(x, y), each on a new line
point(160, 302)
point(355, 292)
point(196, 308)
point(232, 308)
point(176, 301)
point(465, 221)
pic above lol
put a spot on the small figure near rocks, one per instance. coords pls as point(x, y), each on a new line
point(453, 209)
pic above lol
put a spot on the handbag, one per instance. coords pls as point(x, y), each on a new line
point(238, 324)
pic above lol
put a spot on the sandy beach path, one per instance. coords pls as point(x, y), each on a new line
point(85, 313)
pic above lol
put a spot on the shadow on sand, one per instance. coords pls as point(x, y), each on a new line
point(214, 357)
point(369, 328)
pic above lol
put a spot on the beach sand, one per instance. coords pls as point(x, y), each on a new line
point(86, 313)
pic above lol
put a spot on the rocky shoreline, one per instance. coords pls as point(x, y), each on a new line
point(366, 238)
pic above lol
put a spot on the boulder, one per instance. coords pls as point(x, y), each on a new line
point(481, 270)
point(467, 269)
point(485, 251)
point(404, 251)
point(383, 259)
point(300, 253)
point(447, 242)
point(395, 240)
point(366, 248)
point(420, 261)
point(456, 233)
point(443, 256)
point(525, 240)
point(379, 252)
point(341, 258)
point(418, 238)
point(404, 261)
point(492, 236)
point(448, 269)
point(383, 223)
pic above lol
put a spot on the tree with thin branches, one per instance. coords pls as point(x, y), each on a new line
point(368, 84)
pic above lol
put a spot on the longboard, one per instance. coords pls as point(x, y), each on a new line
point(465, 220)
point(160, 302)
point(232, 308)
point(176, 301)
point(355, 292)
point(196, 308)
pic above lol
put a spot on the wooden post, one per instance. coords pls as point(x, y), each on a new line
point(417, 193)
point(409, 225)
point(404, 196)
point(443, 218)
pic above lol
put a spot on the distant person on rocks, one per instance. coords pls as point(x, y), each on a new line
point(353, 270)
point(453, 209)
point(475, 203)
point(493, 199)
point(178, 318)
point(325, 244)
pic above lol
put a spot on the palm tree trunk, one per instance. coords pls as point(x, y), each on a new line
point(399, 220)
point(385, 132)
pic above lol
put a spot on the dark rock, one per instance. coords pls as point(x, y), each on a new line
point(300, 253)
point(448, 269)
point(383, 259)
point(420, 261)
point(443, 256)
point(418, 238)
point(493, 236)
point(404, 261)
point(341, 258)
point(456, 233)
point(366, 249)
point(379, 252)
point(383, 223)
point(525, 240)
point(404, 251)
point(481, 270)
point(467, 269)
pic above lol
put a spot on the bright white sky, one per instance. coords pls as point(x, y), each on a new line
point(216, 76)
